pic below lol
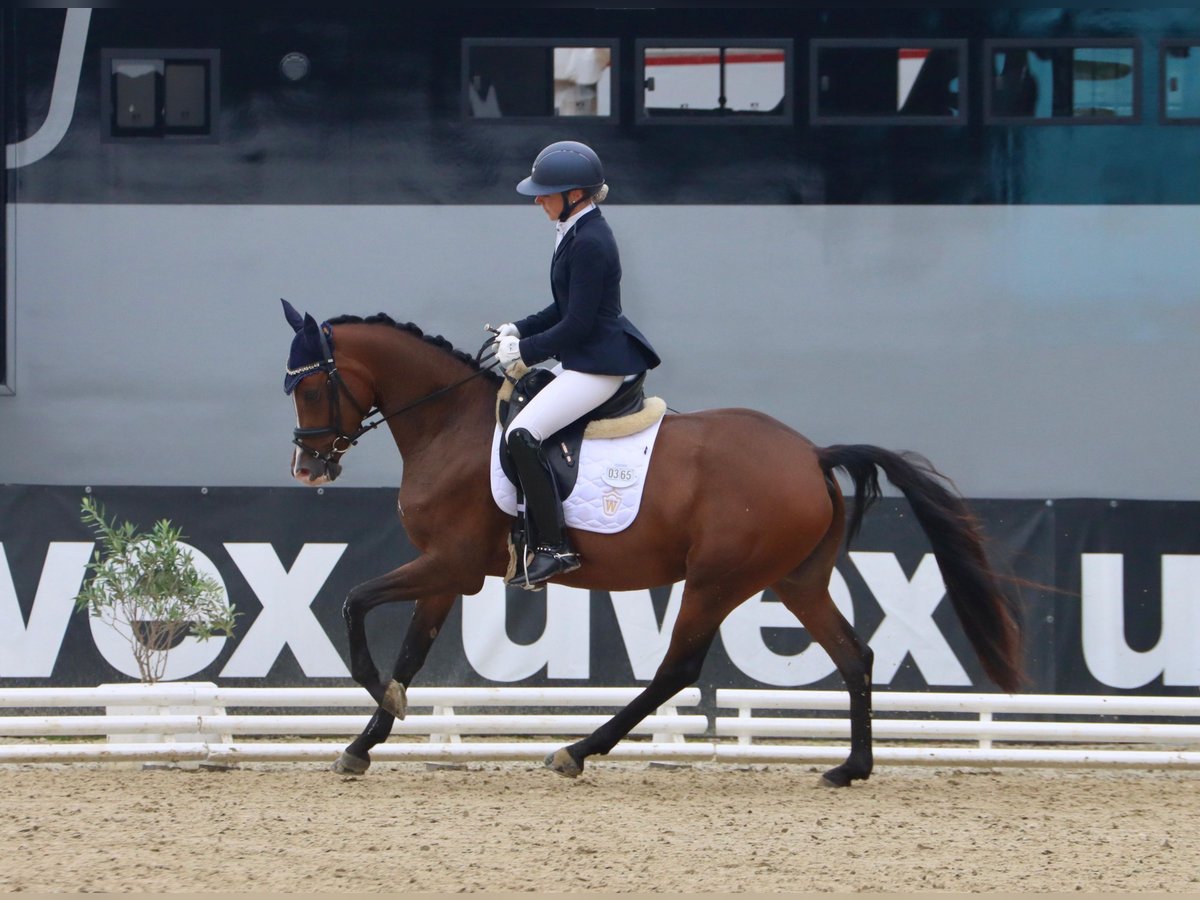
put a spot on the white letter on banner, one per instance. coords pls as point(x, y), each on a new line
point(741, 634)
point(287, 617)
point(1176, 656)
point(908, 625)
point(563, 648)
point(31, 651)
point(645, 641)
point(185, 659)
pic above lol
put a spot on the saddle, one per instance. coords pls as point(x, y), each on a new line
point(561, 449)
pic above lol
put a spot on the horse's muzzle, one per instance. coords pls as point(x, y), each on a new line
point(313, 470)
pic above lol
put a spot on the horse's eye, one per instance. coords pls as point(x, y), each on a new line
point(312, 395)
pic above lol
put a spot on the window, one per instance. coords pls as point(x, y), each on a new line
point(917, 82)
point(700, 81)
point(533, 78)
point(1181, 82)
point(160, 93)
point(1093, 82)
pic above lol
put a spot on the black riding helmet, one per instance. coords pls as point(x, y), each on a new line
point(561, 168)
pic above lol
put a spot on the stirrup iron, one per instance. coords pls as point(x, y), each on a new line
point(565, 561)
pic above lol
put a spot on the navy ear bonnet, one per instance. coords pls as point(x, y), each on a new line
point(312, 347)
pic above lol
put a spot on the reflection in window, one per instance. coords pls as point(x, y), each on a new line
point(877, 81)
point(524, 80)
point(159, 95)
point(1055, 82)
point(1181, 81)
point(715, 81)
point(135, 93)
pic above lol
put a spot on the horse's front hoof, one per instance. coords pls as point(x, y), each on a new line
point(562, 762)
point(346, 764)
point(395, 699)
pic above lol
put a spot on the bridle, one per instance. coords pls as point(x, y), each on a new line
point(336, 386)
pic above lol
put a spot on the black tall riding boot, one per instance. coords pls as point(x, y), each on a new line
point(552, 556)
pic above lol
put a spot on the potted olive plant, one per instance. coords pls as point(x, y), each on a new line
point(147, 587)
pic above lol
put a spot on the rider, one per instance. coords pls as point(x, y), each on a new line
point(597, 347)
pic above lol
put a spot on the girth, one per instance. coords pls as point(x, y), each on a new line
point(561, 449)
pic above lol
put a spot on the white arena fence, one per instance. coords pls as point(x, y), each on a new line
point(181, 722)
point(967, 729)
point(192, 723)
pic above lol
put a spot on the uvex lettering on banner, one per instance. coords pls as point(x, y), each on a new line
point(1124, 615)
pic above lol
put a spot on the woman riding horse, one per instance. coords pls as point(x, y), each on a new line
point(727, 523)
point(598, 348)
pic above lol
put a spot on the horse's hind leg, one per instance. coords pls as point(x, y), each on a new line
point(814, 607)
point(699, 617)
point(429, 614)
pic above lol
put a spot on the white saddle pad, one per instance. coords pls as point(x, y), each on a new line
point(608, 490)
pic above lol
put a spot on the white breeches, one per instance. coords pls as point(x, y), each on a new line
point(564, 400)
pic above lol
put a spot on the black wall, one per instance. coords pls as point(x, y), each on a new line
point(1034, 541)
point(380, 117)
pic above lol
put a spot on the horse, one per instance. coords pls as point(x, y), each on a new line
point(734, 502)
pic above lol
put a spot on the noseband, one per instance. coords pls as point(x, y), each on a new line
point(336, 386)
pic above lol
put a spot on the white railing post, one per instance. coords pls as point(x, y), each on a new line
point(444, 737)
point(745, 738)
point(665, 738)
point(985, 719)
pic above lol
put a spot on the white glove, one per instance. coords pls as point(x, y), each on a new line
point(508, 350)
point(508, 329)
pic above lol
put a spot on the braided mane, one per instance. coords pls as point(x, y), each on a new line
point(435, 339)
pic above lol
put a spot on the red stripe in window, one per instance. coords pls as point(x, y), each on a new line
point(910, 53)
point(711, 59)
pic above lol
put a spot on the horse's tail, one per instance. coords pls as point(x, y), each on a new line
point(991, 619)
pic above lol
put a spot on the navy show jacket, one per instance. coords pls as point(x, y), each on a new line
point(584, 327)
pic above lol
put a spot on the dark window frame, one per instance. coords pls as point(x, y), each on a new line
point(1163, 46)
point(786, 117)
point(817, 120)
point(167, 55)
point(7, 294)
point(8, 298)
point(613, 44)
point(991, 45)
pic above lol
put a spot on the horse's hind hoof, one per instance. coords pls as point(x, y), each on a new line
point(562, 762)
point(842, 776)
point(346, 764)
point(395, 699)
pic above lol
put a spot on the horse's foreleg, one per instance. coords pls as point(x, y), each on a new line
point(360, 601)
point(814, 607)
point(422, 577)
point(429, 614)
point(356, 759)
point(690, 640)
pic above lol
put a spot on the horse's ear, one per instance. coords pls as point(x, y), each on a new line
point(293, 317)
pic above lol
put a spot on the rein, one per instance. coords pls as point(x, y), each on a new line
point(343, 441)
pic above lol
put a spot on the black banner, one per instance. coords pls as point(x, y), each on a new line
point(1121, 612)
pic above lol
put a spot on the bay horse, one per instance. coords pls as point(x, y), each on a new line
point(734, 502)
